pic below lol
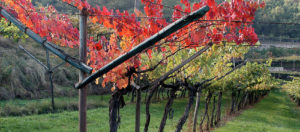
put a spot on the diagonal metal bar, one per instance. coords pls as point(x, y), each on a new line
point(146, 44)
point(48, 45)
point(232, 70)
point(58, 65)
point(41, 63)
point(33, 57)
point(47, 68)
point(54, 68)
point(207, 82)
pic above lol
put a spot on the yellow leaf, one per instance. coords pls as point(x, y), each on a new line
point(97, 81)
point(113, 88)
point(94, 20)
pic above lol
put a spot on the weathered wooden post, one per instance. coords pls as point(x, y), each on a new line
point(138, 111)
point(195, 117)
point(82, 58)
point(138, 106)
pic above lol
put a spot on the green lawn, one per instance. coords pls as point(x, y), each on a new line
point(275, 113)
point(18, 107)
point(98, 118)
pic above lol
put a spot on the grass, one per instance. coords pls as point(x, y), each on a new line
point(275, 113)
point(18, 107)
point(97, 119)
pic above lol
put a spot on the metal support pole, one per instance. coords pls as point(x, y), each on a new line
point(134, 4)
point(50, 72)
point(48, 45)
point(82, 58)
point(34, 58)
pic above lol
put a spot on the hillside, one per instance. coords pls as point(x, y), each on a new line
point(21, 77)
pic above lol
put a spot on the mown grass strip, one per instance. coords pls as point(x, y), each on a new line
point(275, 113)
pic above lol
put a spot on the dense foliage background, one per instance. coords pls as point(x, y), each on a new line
point(279, 11)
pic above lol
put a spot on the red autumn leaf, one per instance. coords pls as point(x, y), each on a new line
point(185, 2)
point(98, 46)
point(177, 12)
point(262, 4)
point(163, 49)
point(149, 51)
point(211, 3)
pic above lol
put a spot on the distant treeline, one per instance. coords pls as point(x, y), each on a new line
point(278, 11)
point(272, 52)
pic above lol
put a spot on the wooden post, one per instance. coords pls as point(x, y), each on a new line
point(138, 106)
point(196, 111)
point(82, 58)
point(135, 4)
point(138, 111)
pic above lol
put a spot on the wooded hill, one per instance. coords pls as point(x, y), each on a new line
point(276, 11)
point(22, 77)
